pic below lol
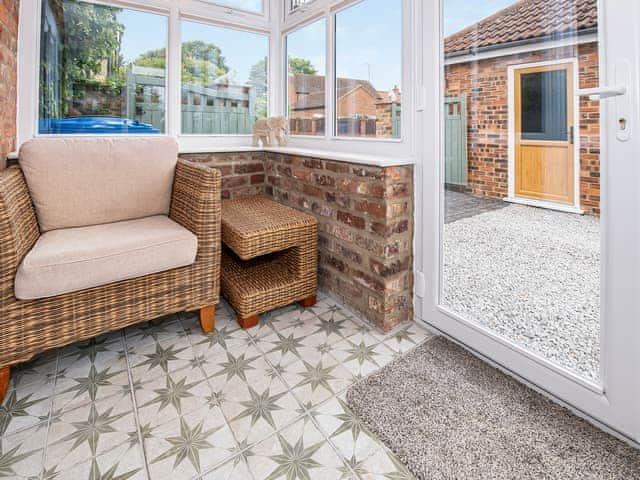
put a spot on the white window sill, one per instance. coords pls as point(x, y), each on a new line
point(372, 160)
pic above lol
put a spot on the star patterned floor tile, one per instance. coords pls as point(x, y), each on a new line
point(313, 383)
point(406, 338)
point(364, 453)
point(21, 454)
point(154, 359)
point(90, 384)
point(189, 445)
point(89, 431)
point(234, 469)
point(287, 346)
point(258, 407)
point(299, 451)
point(362, 354)
point(167, 397)
point(25, 407)
point(161, 400)
point(125, 462)
point(39, 370)
point(159, 330)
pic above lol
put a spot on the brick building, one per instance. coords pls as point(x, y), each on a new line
point(362, 110)
point(530, 137)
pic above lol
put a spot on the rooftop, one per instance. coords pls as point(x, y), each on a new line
point(525, 20)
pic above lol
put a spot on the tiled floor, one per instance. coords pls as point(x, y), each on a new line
point(162, 401)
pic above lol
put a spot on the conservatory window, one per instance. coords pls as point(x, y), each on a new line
point(224, 79)
point(98, 75)
point(368, 91)
point(294, 5)
point(255, 6)
point(306, 79)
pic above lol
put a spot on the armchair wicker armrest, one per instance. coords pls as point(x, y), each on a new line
point(18, 227)
point(196, 205)
point(18, 233)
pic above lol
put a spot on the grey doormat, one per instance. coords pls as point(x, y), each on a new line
point(448, 415)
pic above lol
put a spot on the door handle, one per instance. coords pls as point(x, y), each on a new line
point(600, 93)
point(571, 134)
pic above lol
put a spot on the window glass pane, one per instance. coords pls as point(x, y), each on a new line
point(526, 269)
point(102, 69)
point(369, 72)
point(544, 105)
point(248, 5)
point(295, 4)
point(224, 79)
point(306, 79)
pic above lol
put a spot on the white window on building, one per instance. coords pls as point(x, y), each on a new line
point(224, 79)
point(368, 91)
point(98, 75)
point(306, 79)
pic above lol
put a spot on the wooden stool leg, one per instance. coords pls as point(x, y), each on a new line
point(248, 322)
point(5, 375)
point(308, 302)
point(208, 319)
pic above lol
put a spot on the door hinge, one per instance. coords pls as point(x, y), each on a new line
point(420, 285)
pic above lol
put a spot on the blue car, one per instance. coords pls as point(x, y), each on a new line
point(95, 126)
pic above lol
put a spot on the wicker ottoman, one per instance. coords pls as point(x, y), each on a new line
point(269, 257)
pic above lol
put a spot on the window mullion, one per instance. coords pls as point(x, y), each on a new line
point(330, 83)
point(174, 80)
point(276, 76)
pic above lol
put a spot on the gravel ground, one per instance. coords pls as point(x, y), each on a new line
point(531, 275)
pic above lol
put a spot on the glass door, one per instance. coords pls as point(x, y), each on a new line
point(533, 230)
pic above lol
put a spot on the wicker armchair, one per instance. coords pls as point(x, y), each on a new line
point(28, 327)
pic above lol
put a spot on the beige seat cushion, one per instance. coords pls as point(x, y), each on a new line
point(75, 182)
point(69, 260)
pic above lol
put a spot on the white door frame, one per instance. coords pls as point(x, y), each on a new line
point(511, 69)
point(616, 402)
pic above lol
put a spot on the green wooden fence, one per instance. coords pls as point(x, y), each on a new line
point(221, 110)
point(396, 120)
point(455, 151)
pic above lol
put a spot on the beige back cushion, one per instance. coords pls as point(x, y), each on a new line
point(76, 182)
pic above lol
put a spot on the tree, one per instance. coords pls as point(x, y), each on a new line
point(258, 81)
point(92, 35)
point(301, 65)
point(202, 62)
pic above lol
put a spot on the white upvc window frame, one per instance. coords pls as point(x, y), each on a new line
point(302, 10)
point(274, 23)
point(175, 11)
point(230, 10)
point(388, 147)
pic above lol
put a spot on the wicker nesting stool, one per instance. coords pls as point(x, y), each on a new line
point(269, 258)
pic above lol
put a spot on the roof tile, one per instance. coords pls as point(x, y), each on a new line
point(525, 20)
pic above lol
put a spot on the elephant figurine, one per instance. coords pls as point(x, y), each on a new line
point(270, 130)
point(280, 130)
point(261, 133)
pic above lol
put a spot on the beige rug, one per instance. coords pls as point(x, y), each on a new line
point(448, 415)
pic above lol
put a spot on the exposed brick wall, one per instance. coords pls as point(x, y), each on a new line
point(486, 84)
point(242, 173)
point(8, 74)
point(366, 229)
point(366, 222)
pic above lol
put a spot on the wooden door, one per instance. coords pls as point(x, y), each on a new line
point(544, 158)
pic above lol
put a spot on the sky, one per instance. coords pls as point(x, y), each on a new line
point(368, 37)
point(459, 14)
